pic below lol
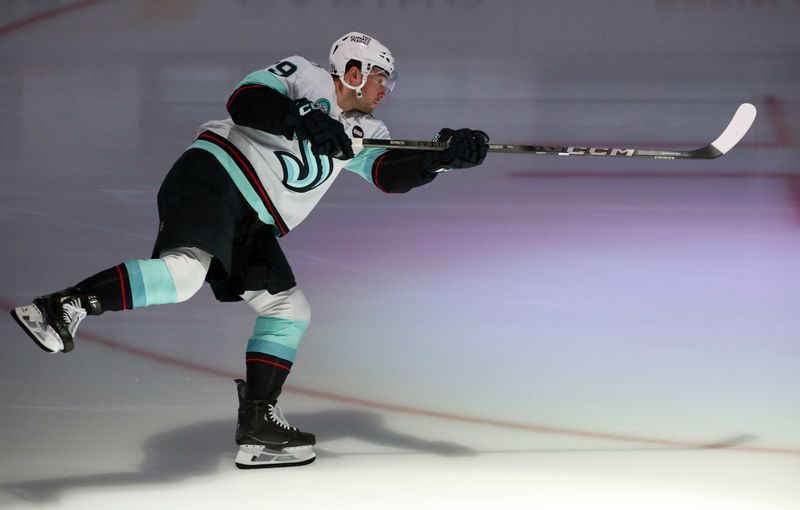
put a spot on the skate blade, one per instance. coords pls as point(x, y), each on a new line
point(31, 321)
point(257, 456)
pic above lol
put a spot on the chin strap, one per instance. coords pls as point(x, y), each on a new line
point(364, 78)
point(356, 88)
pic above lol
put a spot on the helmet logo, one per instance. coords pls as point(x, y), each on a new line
point(363, 39)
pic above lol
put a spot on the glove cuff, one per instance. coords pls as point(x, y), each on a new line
point(298, 109)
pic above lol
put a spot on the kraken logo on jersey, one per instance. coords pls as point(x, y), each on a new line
point(305, 175)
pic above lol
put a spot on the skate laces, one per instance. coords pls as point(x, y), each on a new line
point(72, 314)
point(277, 416)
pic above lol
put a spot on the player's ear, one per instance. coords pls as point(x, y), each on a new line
point(353, 76)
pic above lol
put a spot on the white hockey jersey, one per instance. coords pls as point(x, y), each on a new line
point(283, 179)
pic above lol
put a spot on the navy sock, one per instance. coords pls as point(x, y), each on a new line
point(110, 288)
point(265, 375)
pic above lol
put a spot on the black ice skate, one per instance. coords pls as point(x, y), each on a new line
point(52, 320)
point(264, 437)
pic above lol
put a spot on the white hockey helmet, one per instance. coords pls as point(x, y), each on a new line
point(365, 49)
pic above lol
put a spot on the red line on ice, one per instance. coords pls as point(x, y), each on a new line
point(87, 336)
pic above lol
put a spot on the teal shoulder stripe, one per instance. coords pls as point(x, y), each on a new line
point(265, 78)
point(239, 180)
point(362, 163)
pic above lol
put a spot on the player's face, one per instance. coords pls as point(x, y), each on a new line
point(373, 91)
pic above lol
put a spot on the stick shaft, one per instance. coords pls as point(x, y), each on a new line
point(707, 152)
point(736, 129)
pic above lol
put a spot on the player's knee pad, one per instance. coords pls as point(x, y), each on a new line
point(188, 268)
point(289, 304)
point(283, 319)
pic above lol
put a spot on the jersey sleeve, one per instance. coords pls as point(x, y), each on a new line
point(263, 99)
point(365, 159)
point(390, 170)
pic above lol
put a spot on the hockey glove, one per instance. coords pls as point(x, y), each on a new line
point(468, 148)
point(326, 135)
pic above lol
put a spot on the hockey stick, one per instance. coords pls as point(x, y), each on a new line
point(737, 128)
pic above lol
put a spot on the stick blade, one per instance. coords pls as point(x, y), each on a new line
point(738, 127)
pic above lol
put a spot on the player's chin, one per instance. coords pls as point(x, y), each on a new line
point(368, 108)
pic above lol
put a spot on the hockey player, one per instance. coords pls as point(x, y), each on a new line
point(244, 182)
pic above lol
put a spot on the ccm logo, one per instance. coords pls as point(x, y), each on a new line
point(596, 151)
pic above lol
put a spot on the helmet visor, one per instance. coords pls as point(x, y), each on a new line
point(383, 78)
